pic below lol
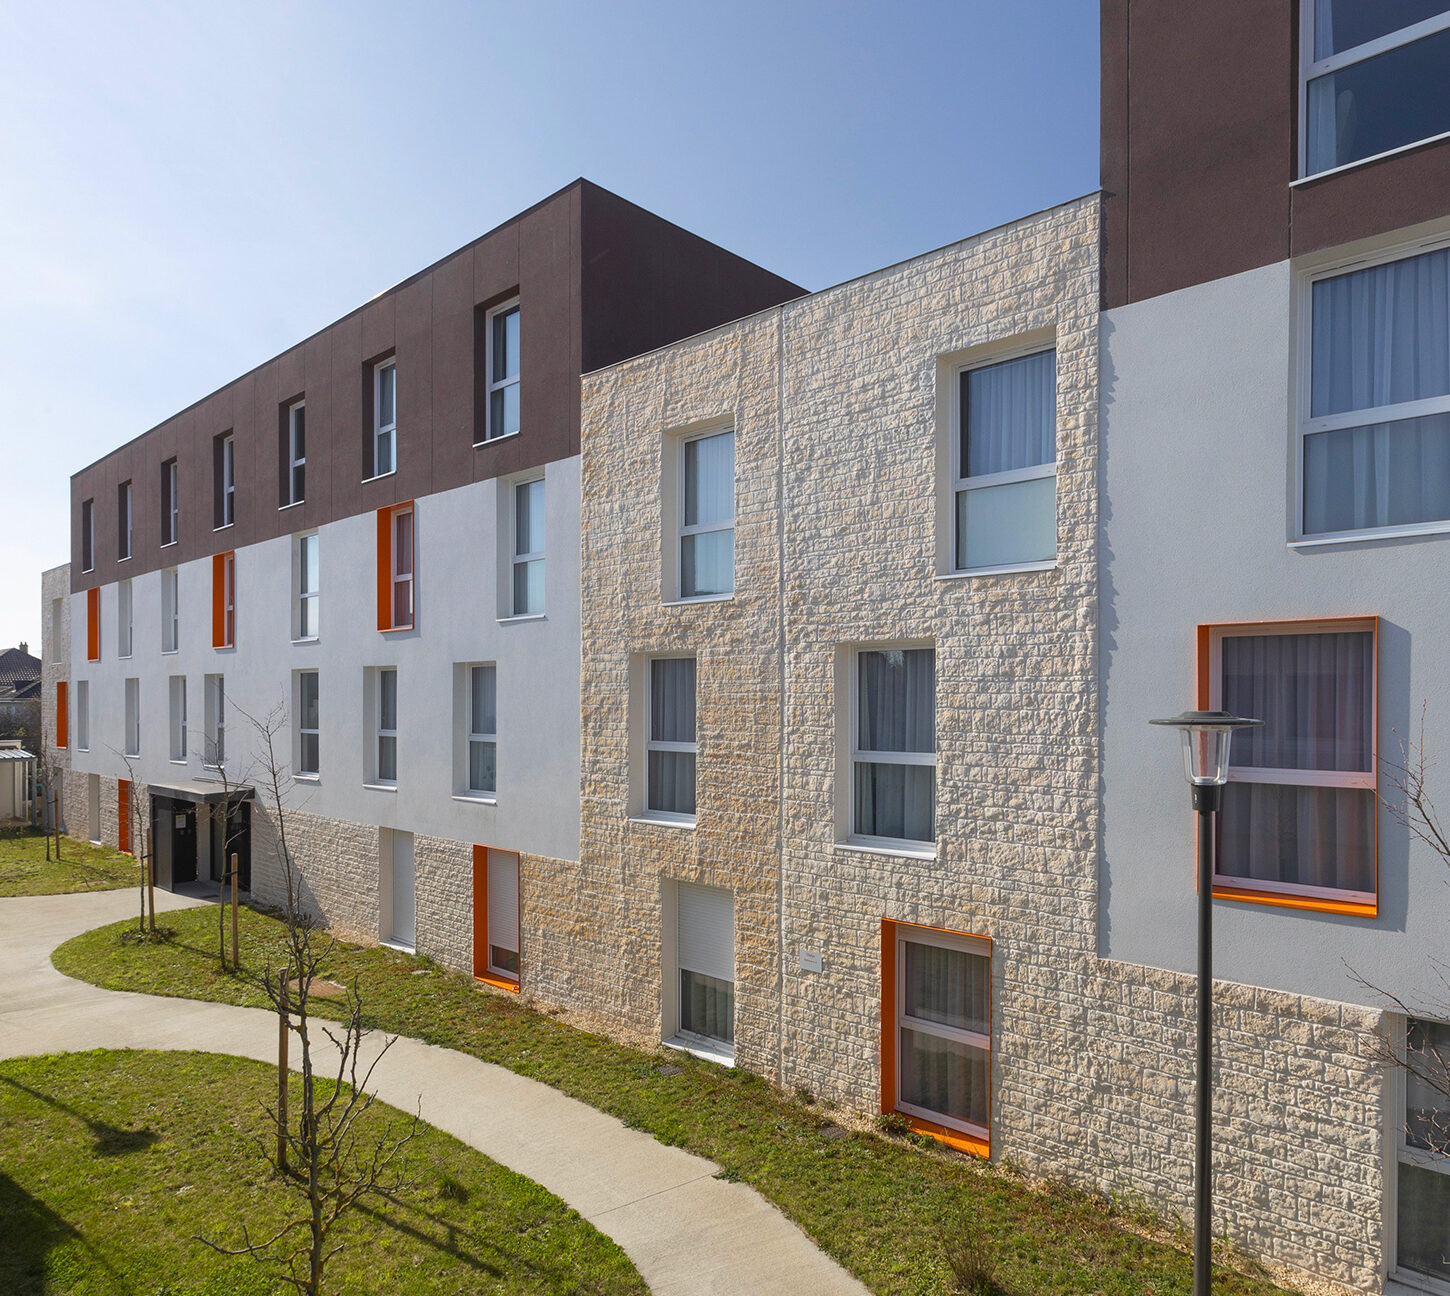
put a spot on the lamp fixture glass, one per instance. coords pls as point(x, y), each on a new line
point(1207, 742)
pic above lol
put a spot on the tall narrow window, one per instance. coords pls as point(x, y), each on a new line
point(396, 574)
point(1422, 1138)
point(62, 714)
point(170, 610)
point(309, 592)
point(170, 503)
point(1299, 813)
point(214, 703)
point(528, 557)
point(1006, 463)
point(307, 723)
point(1375, 433)
point(705, 955)
point(123, 521)
point(707, 515)
point(296, 452)
point(483, 729)
point(385, 417)
point(123, 618)
point(177, 688)
point(59, 649)
point(402, 568)
point(503, 914)
point(670, 745)
point(224, 464)
point(132, 736)
point(93, 624)
point(503, 373)
point(88, 537)
point(83, 715)
point(224, 600)
point(387, 725)
point(893, 756)
point(937, 1026)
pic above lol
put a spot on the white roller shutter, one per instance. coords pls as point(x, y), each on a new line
point(503, 900)
point(706, 931)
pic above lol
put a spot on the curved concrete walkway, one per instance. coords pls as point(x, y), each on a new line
point(687, 1232)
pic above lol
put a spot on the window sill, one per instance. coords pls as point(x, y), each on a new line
point(902, 850)
point(226, 526)
point(282, 508)
point(479, 798)
point(1005, 569)
point(397, 629)
point(497, 982)
point(705, 1050)
point(167, 544)
point(1374, 157)
point(123, 558)
point(488, 441)
point(174, 761)
point(381, 787)
point(307, 778)
point(664, 820)
point(952, 1138)
point(699, 598)
point(1380, 533)
point(1315, 904)
point(310, 639)
point(402, 949)
point(170, 652)
point(392, 472)
point(523, 616)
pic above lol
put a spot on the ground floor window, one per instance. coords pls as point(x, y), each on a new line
point(705, 964)
point(937, 1030)
point(1422, 1120)
point(496, 931)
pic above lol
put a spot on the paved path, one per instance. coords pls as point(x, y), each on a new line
point(688, 1233)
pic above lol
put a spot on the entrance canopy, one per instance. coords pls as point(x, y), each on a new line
point(203, 793)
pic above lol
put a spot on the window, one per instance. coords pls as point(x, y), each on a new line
point(59, 650)
point(294, 455)
point(1299, 813)
point(670, 746)
point(307, 723)
point(83, 715)
point(123, 521)
point(396, 608)
point(1373, 72)
point(705, 967)
point(224, 600)
point(177, 692)
point(483, 729)
point(1375, 429)
point(123, 618)
point(386, 715)
point(385, 417)
point(937, 1031)
point(133, 718)
point(706, 493)
point(496, 934)
point(224, 468)
point(93, 625)
point(170, 504)
point(396, 891)
point(214, 702)
point(893, 747)
point(503, 373)
point(62, 714)
point(309, 596)
point(88, 546)
point(1422, 1139)
point(1005, 463)
point(528, 556)
point(170, 611)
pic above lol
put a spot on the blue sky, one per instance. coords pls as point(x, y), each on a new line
point(190, 188)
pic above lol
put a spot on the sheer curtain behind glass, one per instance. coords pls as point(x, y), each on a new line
point(1315, 694)
point(1381, 338)
point(482, 729)
point(707, 531)
point(895, 723)
point(941, 1071)
point(671, 757)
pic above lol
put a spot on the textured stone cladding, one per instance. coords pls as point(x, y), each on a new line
point(55, 584)
point(841, 404)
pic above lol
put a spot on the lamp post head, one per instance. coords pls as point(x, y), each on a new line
point(1207, 740)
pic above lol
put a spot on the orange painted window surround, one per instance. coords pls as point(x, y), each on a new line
point(62, 714)
point(123, 816)
point(224, 600)
point(963, 1142)
point(481, 970)
point(396, 575)
point(1209, 682)
point(93, 624)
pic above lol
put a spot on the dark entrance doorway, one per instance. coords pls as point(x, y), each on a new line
point(231, 834)
point(173, 836)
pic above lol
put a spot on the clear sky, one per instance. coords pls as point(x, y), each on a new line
point(188, 189)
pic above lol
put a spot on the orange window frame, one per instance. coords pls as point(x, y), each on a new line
point(123, 816)
point(481, 971)
point(385, 520)
point(93, 624)
point(891, 932)
point(1208, 676)
point(62, 714)
point(224, 599)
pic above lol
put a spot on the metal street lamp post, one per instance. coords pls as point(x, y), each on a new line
point(1207, 741)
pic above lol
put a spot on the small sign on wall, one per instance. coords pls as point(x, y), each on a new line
point(179, 821)
point(810, 960)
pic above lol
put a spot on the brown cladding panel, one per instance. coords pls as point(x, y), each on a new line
point(340, 437)
point(1113, 131)
point(414, 338)
point(452, 378)
point(317, 391)
point(547, 248)
point(1373, 198)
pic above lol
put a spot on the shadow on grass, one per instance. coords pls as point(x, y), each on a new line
point(110, 1140)
point(29, 1229)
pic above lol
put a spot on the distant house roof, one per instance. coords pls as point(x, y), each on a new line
point(15, 754)
point(18, 667)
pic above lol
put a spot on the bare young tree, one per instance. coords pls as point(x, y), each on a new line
point(234, 793)
point(140, 836)
point(321, 1155)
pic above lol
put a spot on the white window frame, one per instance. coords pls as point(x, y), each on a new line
point(1397, 1150)
point(229, 481)
point(707, 1047)
point(302, 632)
point(127, 495)
point(83, 715)
point(295, 460)
point(176, 713)
point(381, 429)
point(173, 490)
point(517, 558)
point(858, 756)
point(382, 734)
point(977, 947)
point(1363, 780)
point(681, 530)
point(497, 312)
point(125, 619)
point(1306, 425)
point(513, 976)
point(477, 735)
point(651, 745)
point(399, 575)
point(170, 609)
point(1311, 69)
point(214, 744)
point(961, 483)
point(229, 600)
point(131, 738)
point(303, 731)
point(88, 535)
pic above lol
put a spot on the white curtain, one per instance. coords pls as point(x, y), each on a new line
point(672, 719)
point(1386, 474)
point(710, 479)
point(942, 1075)
point(947, 986)
point(1009, 415)
point(896, 713)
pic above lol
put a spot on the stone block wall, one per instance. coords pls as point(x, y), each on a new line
point(336, 863)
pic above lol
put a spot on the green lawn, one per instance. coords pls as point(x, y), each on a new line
point(113, 1162)
point(24, 870)
point(881, 1206)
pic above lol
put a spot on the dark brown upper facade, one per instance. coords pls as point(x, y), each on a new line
point(597, 280)
point(1201, 148)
